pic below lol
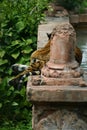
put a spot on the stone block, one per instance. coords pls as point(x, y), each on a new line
point(78, 18)
point(55, 93)
point(74, 18)
point(83, 18)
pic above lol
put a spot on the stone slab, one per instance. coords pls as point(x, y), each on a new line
point(83, 18)
point(74, 18)
point(59, 119)
point(78, 18)
point(42, 93)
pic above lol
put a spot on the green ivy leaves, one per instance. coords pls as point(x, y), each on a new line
point(19, 21)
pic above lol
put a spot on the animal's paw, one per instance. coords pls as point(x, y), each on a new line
point(17, 68)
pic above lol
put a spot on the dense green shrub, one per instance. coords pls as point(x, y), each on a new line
point(19, 20)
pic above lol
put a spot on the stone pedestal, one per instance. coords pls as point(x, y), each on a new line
point(59, 94)
point(58, 107)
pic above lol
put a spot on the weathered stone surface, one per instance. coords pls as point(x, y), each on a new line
point(65, 73)
point(78, 18)
point(62, 67)
point(62, 120)
point(83, 18)
point(55, 93)
point(50, 117)
point(74, 18)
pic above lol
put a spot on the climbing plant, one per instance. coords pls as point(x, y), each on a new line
point(19, 21)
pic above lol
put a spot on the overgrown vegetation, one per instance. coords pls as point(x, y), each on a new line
point(19, 20)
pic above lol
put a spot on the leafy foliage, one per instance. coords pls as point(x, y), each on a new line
point(18, 126)
point(19, 20)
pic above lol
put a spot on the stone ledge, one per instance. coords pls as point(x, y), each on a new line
point(56, 93)
point(78, 18)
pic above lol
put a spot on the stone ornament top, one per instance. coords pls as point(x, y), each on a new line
point(63, 42)
point(62, 63)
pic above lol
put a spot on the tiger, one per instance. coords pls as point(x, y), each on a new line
point(37, 60)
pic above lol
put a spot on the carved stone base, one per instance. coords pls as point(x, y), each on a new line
point(59, 118)
point(57, 107)
point(62, 73)
point(62, 76)
point(50, 81)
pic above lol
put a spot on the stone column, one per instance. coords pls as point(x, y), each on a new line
point(60, 100)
